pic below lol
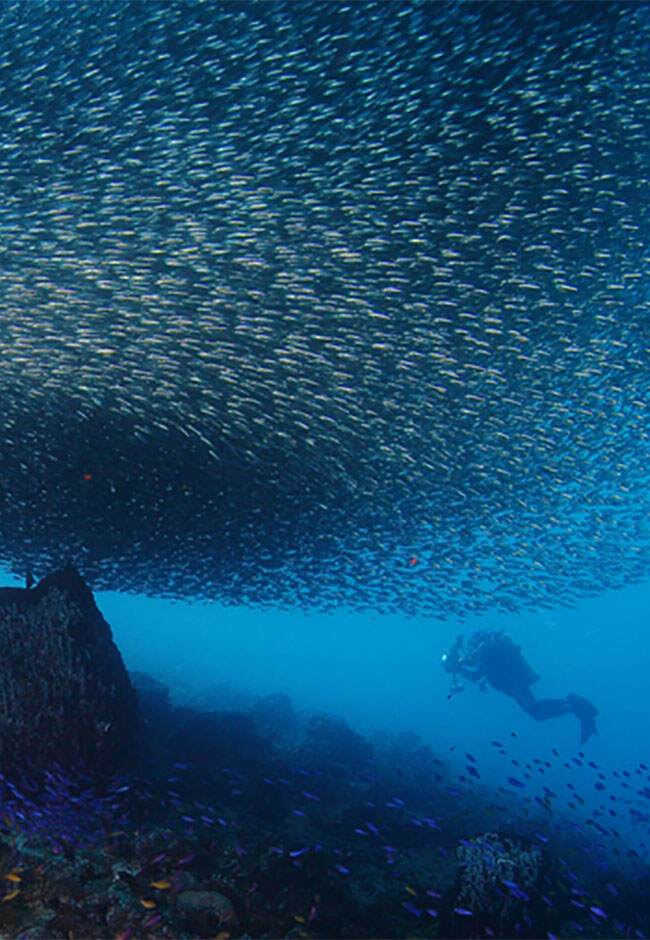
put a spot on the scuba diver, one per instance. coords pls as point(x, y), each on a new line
point(491, 656)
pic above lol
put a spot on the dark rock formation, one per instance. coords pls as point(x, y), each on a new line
point(205, 911)
point(65, 695)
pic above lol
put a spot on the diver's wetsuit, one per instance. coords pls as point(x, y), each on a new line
point(492, 656)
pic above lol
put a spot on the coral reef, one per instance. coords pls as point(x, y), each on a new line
point(231, 847)
point(489, 862)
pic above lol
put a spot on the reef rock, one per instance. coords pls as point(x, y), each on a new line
point(65, 695)
point(205, 911)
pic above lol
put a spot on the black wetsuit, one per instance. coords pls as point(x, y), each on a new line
point(492, 656)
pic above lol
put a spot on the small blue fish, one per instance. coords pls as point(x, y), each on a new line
point(411, 908)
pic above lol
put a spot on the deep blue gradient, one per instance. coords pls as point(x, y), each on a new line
point(383, 673)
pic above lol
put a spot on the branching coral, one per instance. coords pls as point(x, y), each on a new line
point(495, 872)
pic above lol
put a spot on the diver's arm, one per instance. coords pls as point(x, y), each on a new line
point(474, 673)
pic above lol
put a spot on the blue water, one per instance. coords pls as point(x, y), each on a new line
point(383, 674)
point(385, 264)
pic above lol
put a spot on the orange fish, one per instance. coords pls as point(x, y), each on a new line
point(12, 894)
point(147, 903)
point(161, 885)
point(12, 876)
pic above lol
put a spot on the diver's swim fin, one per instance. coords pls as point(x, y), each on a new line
point(586, 714)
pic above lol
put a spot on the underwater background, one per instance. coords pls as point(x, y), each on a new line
point(323, 341)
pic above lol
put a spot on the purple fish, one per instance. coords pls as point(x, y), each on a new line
point(411, 908)
point(463, 912)
point(342, 869)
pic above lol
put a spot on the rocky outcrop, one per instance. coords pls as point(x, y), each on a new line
point(65, 696)
point(205, 911)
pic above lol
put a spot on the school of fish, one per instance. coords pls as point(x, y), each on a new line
point(326, 305)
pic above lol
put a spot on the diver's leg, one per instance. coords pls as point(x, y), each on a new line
point(542, 709)
point(586, 714)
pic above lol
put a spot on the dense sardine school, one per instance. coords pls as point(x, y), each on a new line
point(326, 304)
